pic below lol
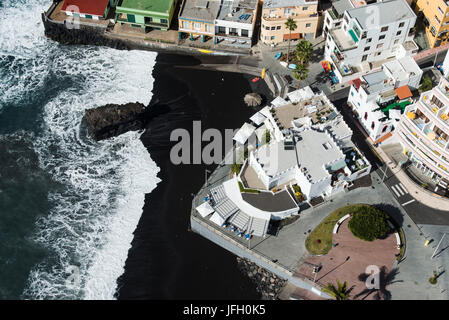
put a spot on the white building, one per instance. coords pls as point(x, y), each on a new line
point(368, 36)
point(312, 148)
point(424, 132)
point(333, 17)
point(235, 22)
point(372, 97)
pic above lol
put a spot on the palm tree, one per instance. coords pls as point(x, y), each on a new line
point(304, 51)
point(300, 73)
point(290, 24)
point(341, 292)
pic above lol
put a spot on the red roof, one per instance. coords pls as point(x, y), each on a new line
point(356, 82)
point(93, 7)
point(403, 92)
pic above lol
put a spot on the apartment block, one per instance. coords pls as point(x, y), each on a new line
point(379, 99)
point(276, 12)
point(436, 15)
point(369, 36)
point(424, 132)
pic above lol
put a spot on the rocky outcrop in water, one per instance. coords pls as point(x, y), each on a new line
point(112, 120)
point(268, 284)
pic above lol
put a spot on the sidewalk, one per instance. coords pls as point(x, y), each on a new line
point(425, 197)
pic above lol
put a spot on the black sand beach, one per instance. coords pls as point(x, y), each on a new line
point(167, 261)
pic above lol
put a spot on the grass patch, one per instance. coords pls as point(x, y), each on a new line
point(323, 231)
point(242, 189)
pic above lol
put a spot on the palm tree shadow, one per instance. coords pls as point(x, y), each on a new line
point(385, 279)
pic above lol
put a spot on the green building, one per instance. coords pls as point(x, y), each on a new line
point(154, 14)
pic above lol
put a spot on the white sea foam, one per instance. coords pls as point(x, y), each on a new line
point(99, 202)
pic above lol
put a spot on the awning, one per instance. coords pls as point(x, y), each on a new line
point(278, 101)
point(244, 133)
point(257, 118)
point(403, 92)
point(303, 94)
point(292, 36)
point(205, 209)
point(217, 219)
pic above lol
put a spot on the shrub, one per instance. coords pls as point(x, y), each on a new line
point(267, 136)
point(236, 167)
point(433, 279)
point(369, 223)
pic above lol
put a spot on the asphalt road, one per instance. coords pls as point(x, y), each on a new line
point(418, 212)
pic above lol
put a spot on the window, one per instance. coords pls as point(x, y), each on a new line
point(278, 28)
point(131, 18)
point(209, 27)
point(441, 11)
point(308, 25)
point(327, 21)
point(272, 37)
point(287, 11)
point(197, 26)
point(364, 57)
point(305, 8)
point(185, 24)
point(384, 129)
point(382, 37)
point(398, 33)
point(369, 40)
point(273, 28)
point(164, 21)
point(396, 41)
point(267, 28)
point(373, 125)
point(221, 29)
point(366, 115)
point(367, 48)
point(378, 53)
point(401, 24)
point(384, 29)
point(245, 33)
point(364, 35)
point(88, 16)
point(148, 20)
point(380, 45)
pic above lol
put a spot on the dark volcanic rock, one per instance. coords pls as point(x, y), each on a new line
point(85, 35)
point(112, 120)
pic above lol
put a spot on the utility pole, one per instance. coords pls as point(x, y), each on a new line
point(436, 249)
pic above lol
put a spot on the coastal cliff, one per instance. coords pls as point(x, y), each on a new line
point(85, 35)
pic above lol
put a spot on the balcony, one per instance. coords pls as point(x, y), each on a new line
point(431, 154)
point(344, 70)
point(342, 40)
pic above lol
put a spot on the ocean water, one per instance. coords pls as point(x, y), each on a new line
point(68, 205)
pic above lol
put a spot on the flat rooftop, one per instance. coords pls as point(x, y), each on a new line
point(241, 11)
point(162, 6)
point(307, 108)
point(342, 39)
point(287, 3)
point(267, 201)
point(388, 12)
point(275, 159)
point(200, 9)
point(403, 68)
point(316, 150)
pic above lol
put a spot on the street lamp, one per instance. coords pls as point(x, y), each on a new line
point(438, 246)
